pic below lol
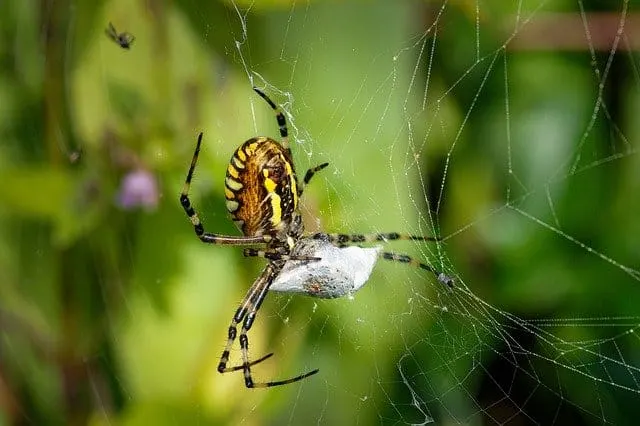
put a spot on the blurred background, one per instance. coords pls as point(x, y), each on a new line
point(510, 129)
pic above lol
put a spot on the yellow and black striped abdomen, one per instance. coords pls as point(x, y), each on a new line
point(261, 187)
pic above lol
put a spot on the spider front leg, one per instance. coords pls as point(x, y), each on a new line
point(238, 317)
point(244, 347)
point(207, 237)
point(246, 314)
point(252, 363)
point(284, 134)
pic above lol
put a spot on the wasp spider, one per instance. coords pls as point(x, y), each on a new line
point(262, 192)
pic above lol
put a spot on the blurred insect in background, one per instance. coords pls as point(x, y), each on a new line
point(262, 193)
point(124, 39)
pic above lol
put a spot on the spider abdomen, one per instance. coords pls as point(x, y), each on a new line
point(261, 187)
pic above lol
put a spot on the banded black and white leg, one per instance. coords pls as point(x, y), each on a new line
point(282, 122)
point(343, 240)
point(207, 237)
point(246, 314)
point(272, 255)
point(308, 175)
point(284, 134)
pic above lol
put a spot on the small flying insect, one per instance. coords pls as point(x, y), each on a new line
point(124, 40)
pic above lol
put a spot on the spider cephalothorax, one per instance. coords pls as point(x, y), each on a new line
point(262, 192)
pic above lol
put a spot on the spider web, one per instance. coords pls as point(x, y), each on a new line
point(508, 130)
point(550, 345)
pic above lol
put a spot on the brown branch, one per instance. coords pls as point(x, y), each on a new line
point(566, 31)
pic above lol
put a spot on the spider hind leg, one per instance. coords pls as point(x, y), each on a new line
point(198, 227)
point(308, 175)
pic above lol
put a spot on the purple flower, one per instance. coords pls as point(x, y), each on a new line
point(138, 188)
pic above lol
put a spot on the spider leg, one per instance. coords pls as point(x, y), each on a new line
point(284, 133)
point(251, 252)
point(403, 258)
point(282, 122)
point(248, 379)
point(247, 312)
point(309, 175)
point(345, 239)
point(252, 363)
point(254, 305)
point(207, 237)
point(240, 315)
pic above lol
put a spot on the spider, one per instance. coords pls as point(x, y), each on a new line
point(125, 40)
point(262, 191)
